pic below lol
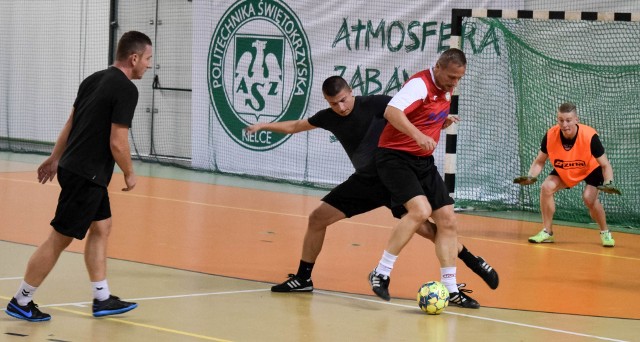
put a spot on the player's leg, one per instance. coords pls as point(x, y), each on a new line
point(65, 223)
point(446, 240)
point(39, 266)
point(45, 257)
point(446, 251)
point(400, 173)
point(95, 249)
point(477, 264)
point(95, 254)
point(321, 217)
point(95, 258)
point(547, 202)
point(418, 211)
point(547, 208)
point(596, 210)
point(360, 193)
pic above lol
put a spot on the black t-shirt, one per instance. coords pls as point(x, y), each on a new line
point(597, 150)
point(105, 97)
point(359, 131)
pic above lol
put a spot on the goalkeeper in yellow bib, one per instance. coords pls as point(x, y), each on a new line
point(577, 155)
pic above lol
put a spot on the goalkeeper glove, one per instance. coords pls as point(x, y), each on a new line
point(609, 188)
point(525, 180)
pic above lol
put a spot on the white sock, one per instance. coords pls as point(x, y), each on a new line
point(448, 278)
point(25, 293)
point(386, 263)
point(100, 290)
point(602, 232)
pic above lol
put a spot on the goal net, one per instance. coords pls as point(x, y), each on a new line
point(519, 71)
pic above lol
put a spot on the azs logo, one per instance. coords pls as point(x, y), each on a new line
point(259, 70)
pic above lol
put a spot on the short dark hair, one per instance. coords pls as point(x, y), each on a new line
point(452, 55)
point(333, 85)
point(568, 107)
point(132, 42)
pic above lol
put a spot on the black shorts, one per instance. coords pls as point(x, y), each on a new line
point(80, 203)
point(407, 176)
point(595, 178)
point(361, 193)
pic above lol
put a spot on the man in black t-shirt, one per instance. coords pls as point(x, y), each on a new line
point(357, 123)
point(94, 138)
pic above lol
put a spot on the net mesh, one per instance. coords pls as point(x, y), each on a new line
point(519, 71)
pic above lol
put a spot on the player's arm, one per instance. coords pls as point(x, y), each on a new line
point(534, 170)
point(399, 120)
point(597, 150)
point(451, 119)
point(286, 127)
point(607, 170)
point(411, 93)
point(119, 144)
point(607, 173)
point(48, 169)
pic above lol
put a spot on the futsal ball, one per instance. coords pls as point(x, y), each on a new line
point(433, 297)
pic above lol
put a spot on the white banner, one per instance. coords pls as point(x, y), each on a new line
point(265, 60)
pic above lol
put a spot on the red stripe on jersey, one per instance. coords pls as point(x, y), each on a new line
point(428, 115)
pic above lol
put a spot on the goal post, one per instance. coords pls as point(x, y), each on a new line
point(521, 65)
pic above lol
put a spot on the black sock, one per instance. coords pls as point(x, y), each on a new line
point(304, 269)
point(468, 258)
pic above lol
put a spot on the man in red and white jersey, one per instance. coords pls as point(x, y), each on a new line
point(416, 115)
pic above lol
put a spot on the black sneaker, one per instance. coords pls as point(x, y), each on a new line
point(294, 284)
point(29, 312)
point(461, 298)
point(111, 306)
point(380, 284)
point(486, 272)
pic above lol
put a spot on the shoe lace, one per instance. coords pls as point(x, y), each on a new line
point(31, 306)
point(462, 294)
point(460, 288)
point(292, 279)
point(377, 280)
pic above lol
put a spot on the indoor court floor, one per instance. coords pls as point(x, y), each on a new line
point(198, 252)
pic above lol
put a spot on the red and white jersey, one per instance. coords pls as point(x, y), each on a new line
point(425, 105)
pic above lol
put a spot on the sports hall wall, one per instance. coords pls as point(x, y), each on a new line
point(202, 91)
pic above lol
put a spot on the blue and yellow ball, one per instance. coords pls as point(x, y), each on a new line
point(433, 297)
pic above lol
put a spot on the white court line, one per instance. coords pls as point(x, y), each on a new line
point(10, 278)
point(82, 304)
point(476, 317)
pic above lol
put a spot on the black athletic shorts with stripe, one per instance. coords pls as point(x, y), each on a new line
point(80, 203)
point(407, 176)
point(595, 178)
point(360, 193)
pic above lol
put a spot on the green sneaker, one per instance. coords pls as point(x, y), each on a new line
point(607, 239)
point(541, 237)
